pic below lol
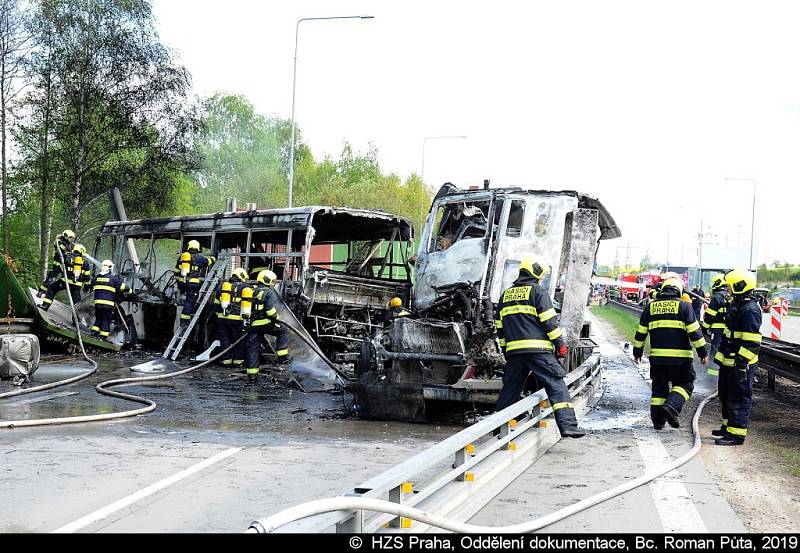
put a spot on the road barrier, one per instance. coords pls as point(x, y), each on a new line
point(776, 357)
point(776, 316)
point(456, 478)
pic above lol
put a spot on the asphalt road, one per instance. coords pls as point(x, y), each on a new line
point(280, 447)
point(622, 444)
point(219, 452)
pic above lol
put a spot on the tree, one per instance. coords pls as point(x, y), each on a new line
point(35, 135)
point(245, 155)
point(121, 119)
point(14, 43)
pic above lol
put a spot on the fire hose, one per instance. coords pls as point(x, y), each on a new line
point(102, 387)
point(322, 506)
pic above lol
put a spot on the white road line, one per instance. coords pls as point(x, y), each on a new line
point(141, 494)
point(673, 503)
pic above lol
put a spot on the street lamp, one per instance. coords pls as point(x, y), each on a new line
point(425, 141)
point(753, 218)
point(294, 85)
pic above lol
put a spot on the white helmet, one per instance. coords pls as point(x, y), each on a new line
point(106, 267)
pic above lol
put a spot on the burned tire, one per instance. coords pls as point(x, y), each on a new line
point(366, 358)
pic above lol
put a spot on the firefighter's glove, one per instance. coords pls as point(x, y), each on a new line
point(562, 352)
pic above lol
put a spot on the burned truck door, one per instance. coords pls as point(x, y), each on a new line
point(534, 225)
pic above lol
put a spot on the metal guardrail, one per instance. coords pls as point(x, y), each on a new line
point(781, 358)
point(461, 474)
point(631, 307)
point(777, 357)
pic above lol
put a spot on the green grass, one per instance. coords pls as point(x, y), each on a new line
point(624, 322)
point(790, 456)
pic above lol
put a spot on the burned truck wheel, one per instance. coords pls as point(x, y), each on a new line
point(388, 388)
point(366, 359)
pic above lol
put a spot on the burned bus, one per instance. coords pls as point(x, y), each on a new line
point(338, 267)
point(470, 249)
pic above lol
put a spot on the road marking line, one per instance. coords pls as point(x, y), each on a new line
point(141, 494)
point(672, 500)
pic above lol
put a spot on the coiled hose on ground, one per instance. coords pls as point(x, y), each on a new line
point(102, 387)
point(72, 379)
point(322, 506)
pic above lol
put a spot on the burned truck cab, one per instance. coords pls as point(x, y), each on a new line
point(470, 250)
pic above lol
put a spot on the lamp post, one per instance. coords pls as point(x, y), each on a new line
point(294, 85)
point(752, 219)
point(425, 141)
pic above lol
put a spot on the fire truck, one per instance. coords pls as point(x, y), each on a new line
point(630, 287)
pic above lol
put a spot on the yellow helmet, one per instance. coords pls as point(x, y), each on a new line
point(239, 273)
point(740, 281)
point(534, 267)
point(685, 297)
point(673, 282)
point(717, 281)
point(266, 277)
point(193, 246)
point(395, 302)
point(79, 248)
point(68, 235)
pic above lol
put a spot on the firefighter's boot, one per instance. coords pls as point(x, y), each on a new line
point(671, 415)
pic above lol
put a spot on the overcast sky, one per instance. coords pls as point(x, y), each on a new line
point(647, 105)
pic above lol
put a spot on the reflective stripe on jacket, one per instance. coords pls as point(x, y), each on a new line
point(109, 290)
point(526, 320)
point(234, 311)
point(673, 331)
point(714, 318)
point(265, 311)
point(741, 337)
point(198, 268)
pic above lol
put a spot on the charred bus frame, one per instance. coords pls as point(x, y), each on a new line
point(338, 266)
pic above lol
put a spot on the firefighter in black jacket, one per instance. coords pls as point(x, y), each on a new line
point(108, 291)
point(529, 336)
point(714, 319)
point(64, 243)
point(265, 320)
point(190, 271)
point(673, 332)
point(738, 357)
point(227, 304)
point(78, 276)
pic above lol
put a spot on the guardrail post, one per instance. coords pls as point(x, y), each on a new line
point(353, 525)
point(771, 378)
point(536, 410)
point(396, 495)
point(461, 458)
point(505, 430)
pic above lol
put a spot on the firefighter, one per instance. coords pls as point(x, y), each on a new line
point(190, 270)
point(395, 310)
point(259, 263)
point(673, 331)
point(64, 243)
point(230, 321)
point(529, 336)
point(76, 278)
point(108, 290)
point(697, 300)
point(265, 320)
point(738, 357)
point(714, 319)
